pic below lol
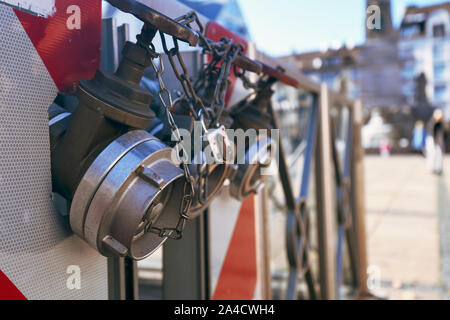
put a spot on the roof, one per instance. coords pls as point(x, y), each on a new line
point(426, 11)
point(306, 61)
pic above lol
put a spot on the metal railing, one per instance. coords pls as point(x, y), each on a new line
point(333, 154)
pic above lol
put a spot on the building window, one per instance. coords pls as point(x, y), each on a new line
point(408, 90)
point(409, 69)
point(415, 18)
point(439, 71)
point(440, 92)
point(406, 52)
point(439, 31)
point(410, 31)
point(329, 77)
point(438, 51)
point(332, 61)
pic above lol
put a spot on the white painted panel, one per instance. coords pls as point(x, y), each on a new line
point(36, 243)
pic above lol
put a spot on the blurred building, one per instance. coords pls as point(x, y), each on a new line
point(371, 71)
point(338, 68)
point(394, 69)
point(424, 47)
point(379, 63)
point(225, 12)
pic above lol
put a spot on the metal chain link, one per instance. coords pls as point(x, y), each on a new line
point(245, 80)
point(224, 51)
point(191, 96)
point(189, 18)
point(222, 85)
point(188, 193)
point(182, 75)
point(218, 99)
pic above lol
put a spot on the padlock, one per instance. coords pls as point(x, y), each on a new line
point(221, 147)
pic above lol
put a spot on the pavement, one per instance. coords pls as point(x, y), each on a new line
point(408, 228)
point(408, 231)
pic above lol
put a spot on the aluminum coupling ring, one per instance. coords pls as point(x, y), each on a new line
point(131, 188)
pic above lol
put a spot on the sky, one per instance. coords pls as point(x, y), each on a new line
point(281, 27)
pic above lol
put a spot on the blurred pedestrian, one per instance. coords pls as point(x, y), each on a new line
point(419, 137)
point(438, 151)
point(385, 148)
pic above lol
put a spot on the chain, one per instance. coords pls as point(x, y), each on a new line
point(224, 51)
point(218, 98)
point(188, 192)
point(182, 76)
point(222, 55)
point(190, 95)
point(246, 81)
point(189, 18)
point(222, 85)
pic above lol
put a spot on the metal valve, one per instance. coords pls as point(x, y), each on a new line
point(127, 196)
point(246, 177)
point(252, 112)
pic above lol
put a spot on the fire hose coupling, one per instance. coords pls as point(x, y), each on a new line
point(209, 166)
point(126, 195)
point(130, 192)
point(247, 177)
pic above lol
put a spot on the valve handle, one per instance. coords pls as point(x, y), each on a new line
point(248, 64)
point(157, 20)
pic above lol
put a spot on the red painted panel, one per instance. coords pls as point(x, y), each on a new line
point(238, 277)
point(8, 290)
point(215, 32)
point(69, 55)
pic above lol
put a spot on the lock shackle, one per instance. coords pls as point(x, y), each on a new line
point(157, 20)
